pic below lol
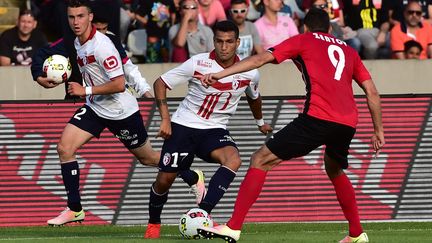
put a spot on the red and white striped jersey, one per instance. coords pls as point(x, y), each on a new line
point(99, 62)
point(204, 108)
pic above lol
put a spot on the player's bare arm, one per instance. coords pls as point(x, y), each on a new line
point(161, 101)
point(374, 105)
point(117, 85)
point(246, 64)
point(256, 107)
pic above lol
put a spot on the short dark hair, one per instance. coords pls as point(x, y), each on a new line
point(239, 2)
point(412, 43)
point(226, 26)
point(79, 3)
point(317, 20)
point(26, 12)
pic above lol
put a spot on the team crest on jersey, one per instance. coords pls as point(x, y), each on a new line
point(204, 63)
point(166, 158)
point(236, 82)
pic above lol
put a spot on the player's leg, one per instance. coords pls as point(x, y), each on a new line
point(177, 154)
point(80, 129)
point(292, 141)
point(335, 160)
point(158, 198)
point(249, 191)
point(136, 140)
point(146, 155)
point(217, 146)
point(229, 159)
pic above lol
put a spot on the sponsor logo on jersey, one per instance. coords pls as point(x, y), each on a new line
point(110, 63)
point(166, 158)
point(204, 63)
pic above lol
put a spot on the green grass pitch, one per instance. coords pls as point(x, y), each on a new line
point(393, 232)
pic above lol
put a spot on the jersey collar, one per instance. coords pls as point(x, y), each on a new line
point(92, 34)
point(213, 57)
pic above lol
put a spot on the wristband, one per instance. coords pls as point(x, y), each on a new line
point(259, 122)
point(88, 90)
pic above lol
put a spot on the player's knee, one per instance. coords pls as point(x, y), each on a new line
point(257, 161)
point(332, 167)
point(151, 160)
point(233, 163)
point(64, 151)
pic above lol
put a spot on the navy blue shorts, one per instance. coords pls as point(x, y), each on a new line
point(130, 131)
point(306, 133)
point(179, 150)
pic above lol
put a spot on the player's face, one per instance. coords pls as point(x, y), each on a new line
point(239, 12)
point(26, 24)
point(80, 21)
point(225, 46)
point(413, 53)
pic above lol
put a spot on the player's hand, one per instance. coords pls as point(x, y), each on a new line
point(76, 89)
point(377, 143)
point(265, 129)
point(46, 82)
point(164, 129)
point(207, 80)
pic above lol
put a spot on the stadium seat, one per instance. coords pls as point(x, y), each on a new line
point(137, 42)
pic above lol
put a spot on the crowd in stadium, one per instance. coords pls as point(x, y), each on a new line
point(156, 31)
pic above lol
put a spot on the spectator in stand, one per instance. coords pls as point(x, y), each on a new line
point(412, 28)
point(17, 45)
point(250, 42)
point(189, 37)
point(157, 16)
point(412, 49)
point(334, 9)
point(273, 28)
point(210, 12)
point(396, 9)
point(372, 26)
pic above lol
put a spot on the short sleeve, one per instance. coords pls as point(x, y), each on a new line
point(108, 58)
point(252, 90)
point(180, 74)
point(287, 49)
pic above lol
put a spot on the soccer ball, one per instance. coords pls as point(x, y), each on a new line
point(192, 220)
point(58, 68)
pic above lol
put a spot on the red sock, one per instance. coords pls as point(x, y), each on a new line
point(249, 191)
point(346, 196)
